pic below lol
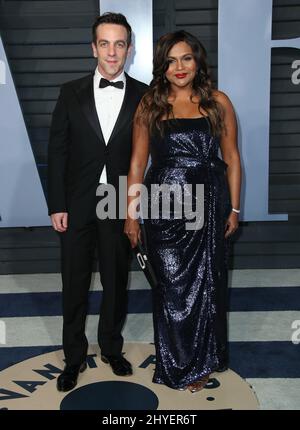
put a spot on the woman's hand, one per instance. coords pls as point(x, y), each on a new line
point(232, 224)
point(133, 231)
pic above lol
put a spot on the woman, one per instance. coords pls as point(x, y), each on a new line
point(182, 121)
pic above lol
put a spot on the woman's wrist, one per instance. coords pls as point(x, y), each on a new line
point(237, 211)
point(130, 219)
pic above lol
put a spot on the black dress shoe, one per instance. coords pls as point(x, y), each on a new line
point(120, 366)
point(67, 380)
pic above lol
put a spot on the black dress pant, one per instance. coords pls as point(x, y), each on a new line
point(77, 253)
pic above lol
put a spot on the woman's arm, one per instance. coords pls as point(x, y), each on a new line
point(138, 164)
point(231, 156)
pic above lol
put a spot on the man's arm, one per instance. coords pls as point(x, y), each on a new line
point(57, 164)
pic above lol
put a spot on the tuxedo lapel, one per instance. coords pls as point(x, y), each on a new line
point(125, 113)
point(85, 94)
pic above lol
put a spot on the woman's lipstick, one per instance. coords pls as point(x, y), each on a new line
point(180, 75)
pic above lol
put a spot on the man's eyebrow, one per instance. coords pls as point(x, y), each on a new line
point(116, 41)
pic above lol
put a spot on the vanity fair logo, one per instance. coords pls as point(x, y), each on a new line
point(250, 53)
point(22, 200)
point(244, 72)
point(31, 385)
point(2, 73)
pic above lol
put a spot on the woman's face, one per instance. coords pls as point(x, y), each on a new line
point(182, 65)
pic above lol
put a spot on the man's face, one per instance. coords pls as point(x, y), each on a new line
point(111, 49)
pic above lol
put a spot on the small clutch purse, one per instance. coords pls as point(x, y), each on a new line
point(143, 260)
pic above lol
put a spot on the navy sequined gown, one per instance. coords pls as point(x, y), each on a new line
point(189, 303)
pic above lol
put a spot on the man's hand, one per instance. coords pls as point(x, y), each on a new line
point(60, 221)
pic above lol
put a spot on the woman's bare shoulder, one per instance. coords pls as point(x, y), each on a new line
point(221, 97)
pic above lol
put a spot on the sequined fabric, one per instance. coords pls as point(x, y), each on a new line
point(189, 313)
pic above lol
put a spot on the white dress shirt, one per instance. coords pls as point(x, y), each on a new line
point(108, 102)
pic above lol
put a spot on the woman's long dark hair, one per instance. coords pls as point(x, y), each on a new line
point(155, 103)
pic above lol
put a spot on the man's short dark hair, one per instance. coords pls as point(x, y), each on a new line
point(112, 18)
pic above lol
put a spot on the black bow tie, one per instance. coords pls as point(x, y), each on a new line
point(105, 83)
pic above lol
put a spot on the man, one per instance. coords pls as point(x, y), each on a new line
point(90, 142)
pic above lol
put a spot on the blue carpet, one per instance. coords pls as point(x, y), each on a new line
point(248, 359)
point(140, 301)
point(12, 355)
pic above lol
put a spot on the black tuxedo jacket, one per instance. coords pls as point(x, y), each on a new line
point(77, 151)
